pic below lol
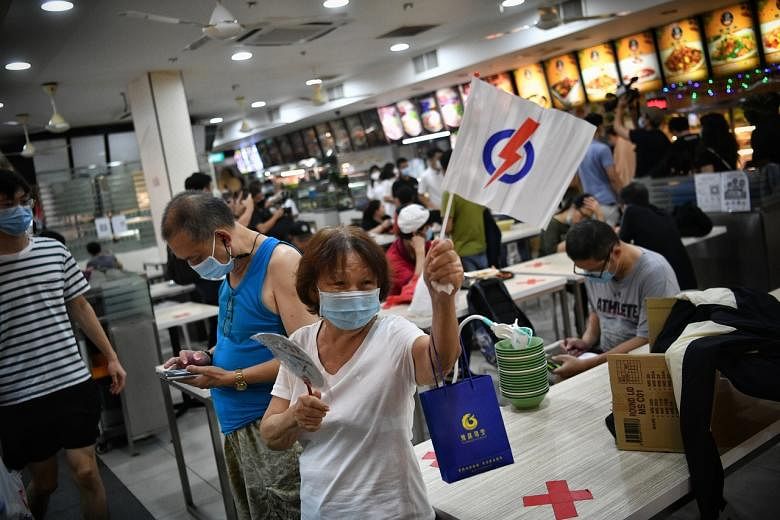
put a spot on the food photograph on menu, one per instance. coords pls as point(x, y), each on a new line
point(274, 151)
point(464, 90)
point(391, 123)
point(637, 58)
point(312, 145)
point(682, 52)
point(372, 128)
point(285, 148)
point(429, 112)
point(356, 132)
point(299, 149)
point(532, 85)
point(502, 81)
point(327, 142)
point(410, 118)
point(769, 18)
point(341, 136)
point(563, 76)
point(450, 106)
point(599, 71)
point(265, 155)
point(731, 40)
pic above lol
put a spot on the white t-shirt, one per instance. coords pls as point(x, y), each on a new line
point(360, 463)
point(430, 183)
point(384, 189)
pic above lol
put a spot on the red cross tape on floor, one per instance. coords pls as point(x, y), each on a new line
point(432, 457)
point(560, 498)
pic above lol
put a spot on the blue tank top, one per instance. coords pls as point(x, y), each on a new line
point(241, 315)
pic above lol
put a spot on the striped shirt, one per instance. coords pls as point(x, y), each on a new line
point(38, 351)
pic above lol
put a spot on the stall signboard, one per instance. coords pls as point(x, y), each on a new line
point(502, 81)
point(637, 58)
point(464, 92)
point(341, 136)
point(285, 148)
point(312, 145)
point(410, 117)
point(599, 71)
point(682, 52)
point(373, 128)
point(731, 40)
point(391, 123)
point(248, 159)
point(327, 142)
point(563, 77)
point(430, 115)
point(450, 106)
point(769, 18)
point(356, 132)
point(532, 85)
point(299, 148)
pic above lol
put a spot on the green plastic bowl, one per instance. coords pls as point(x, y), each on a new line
point(524, 395)
point(527, 403)
point(504, 346)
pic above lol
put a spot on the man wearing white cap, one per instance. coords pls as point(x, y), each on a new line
point(407, 254)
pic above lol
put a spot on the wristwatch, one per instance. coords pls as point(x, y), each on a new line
point(240, 383)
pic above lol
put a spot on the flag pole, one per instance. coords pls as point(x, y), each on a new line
point(446, 216)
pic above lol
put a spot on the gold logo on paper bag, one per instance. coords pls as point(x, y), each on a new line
point(469, 422)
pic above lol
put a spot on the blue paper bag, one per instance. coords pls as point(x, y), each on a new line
point(466, 427)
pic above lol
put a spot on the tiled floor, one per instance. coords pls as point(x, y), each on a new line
point(153, 478)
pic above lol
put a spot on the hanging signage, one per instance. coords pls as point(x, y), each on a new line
point(327, 142)
point(731, 40)
point(410, 118)
point(682, 51)
point(502, 81)
point(637, 58)
point(310, 140)
point(450, 106)
point(298, 147)
point(216, 157)
point(341, 136)
point(356, 132)
point(373, 128)
point(563, 76)
point(391, 122)
point(599, 71)
point(532, 85)
point(769, 18)
point(430, 115)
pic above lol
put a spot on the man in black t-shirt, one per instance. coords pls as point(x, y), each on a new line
point(651, 143)
point(680, 158)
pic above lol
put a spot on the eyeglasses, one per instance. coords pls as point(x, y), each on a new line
point(593, 274)
point(27, 203)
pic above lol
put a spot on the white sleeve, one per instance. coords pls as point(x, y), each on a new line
point(401, 335)
point(284, 384)
point(421, 186)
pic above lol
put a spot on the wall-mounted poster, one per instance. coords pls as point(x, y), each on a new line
point(341, 136)
point(599, 71)
point(682, 52)
point(637, 58)
point(356, 132)
point(373, 128)
point(731, 39)
point(563, 77)
point(429, 113)
point(327, 142)
point(532, 85)
point(502, 81)
point(410, 118)
point(391, 123)
point(464, 90)
point(285, 148)
point(310, 140)
point(769, 18)
point(298, 147)
point(450, 106)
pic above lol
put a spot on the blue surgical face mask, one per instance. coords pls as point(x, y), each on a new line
point(405, 171)
point(211, 268)
point(605, 277)
point(16, 220)
point(349, 310)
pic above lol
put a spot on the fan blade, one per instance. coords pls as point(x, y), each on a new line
point(158, 18)
point(197, 44)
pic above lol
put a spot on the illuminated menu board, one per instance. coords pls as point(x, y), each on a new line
point(299, 149)
point(410, 117)
point(450, 105)
point(430, 115)
point(563, 76)
point(265, 155)
point(682, 52)
point(285, 149)
point(310, 140)
point(532, 85)
point(502, 81)
point(637, 58)
point(731, 40)
point(465, 90)
point(327, 142)
point(599, 71)
point(391, 122)
point(273, 150)
point(341, 136)
point(356, 132)
point(769, 18)
point(373, 128)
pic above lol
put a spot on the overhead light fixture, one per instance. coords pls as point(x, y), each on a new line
point(1, 105)
point(215, 120)
point(258, 104)
point(241, 56)
point(56, 6)
point(429, 137)
point(114, 164)
point(293, 173)
point(57, 123)
point(494, 36)
point(333, 4)
point(511, 3)
point(521, 28)
point(17, 65)
point(398, 47)
point(313, 81)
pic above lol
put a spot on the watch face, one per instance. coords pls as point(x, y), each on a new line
point(241, 386)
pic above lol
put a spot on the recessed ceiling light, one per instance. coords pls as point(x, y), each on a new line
point(56, 6)
point(494, 36)
point(398, 47)
point(1, 105)
point(215, 120)
point(313, 81)
point(258, 104)
point(241, 56)
point(18, 65)
point(332, 4)
point(511, 3)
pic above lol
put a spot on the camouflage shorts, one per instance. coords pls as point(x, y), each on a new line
point(266, 484)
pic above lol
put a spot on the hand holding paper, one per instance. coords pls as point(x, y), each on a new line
point(309, 411)
point(442, 268)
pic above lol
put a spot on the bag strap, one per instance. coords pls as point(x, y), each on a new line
point(437, 368)
point(713, 152)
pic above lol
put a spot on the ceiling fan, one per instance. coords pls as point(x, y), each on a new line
point(567, 12)
point(57, 123)
point(29, 150)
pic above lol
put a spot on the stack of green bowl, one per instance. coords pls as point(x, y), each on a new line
point(522, 372)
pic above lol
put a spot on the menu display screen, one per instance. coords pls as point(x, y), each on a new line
point(769, 18)
point(532, 85)
point(682, 52)
point(731, 40)
point(327, 142)
point(265, 155)
point(464, 89)
point(373, 128)
point(312, 145)
point(502, 81)
point(356, 132)
point(286, 150)
point(599, 71)
point(410, 118)
point(429, 112)
point(341, 136)
point(273, 150)
point(450, 106)
point(637, 58)
point(299, 149)
point(563, 76)
point(391, 122)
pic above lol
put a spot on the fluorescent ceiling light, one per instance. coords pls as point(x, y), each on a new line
point(56, 6)
point(429, 137)
point(521, 28)
point(258, 104)
point(1, 105)
point(114, 163)
point(512, 3)
point(314, 81)
point(241, 56)
point(18, 65)
point(215, 120)
point(494, 36)
point(398, 47)
point(332, 4)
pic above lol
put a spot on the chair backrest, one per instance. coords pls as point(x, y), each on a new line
point(492, 239)
point(491, 299)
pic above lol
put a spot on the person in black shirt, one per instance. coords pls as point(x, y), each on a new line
point(680, 158)
point(761, 111)
point(718, 147)
point(404, 179)
point(650, 227)
point(651, 143)
point(374, 218)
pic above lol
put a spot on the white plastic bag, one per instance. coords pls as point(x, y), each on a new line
point(421, 304)
point(13, 499)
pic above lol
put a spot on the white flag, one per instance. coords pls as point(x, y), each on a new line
point(514, 156)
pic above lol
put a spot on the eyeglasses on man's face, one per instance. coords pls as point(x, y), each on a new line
point(594, 274)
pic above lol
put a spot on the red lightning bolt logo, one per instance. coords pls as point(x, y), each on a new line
point(510, 153)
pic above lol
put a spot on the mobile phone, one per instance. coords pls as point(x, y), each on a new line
point(552, 365)
point(177, 373)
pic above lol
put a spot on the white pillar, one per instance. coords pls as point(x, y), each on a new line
point(162, 127)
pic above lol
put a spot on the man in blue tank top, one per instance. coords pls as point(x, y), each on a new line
point(257, 295)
